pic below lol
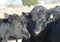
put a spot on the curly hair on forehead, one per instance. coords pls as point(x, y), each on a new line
point(16, 17)
point(38, 12)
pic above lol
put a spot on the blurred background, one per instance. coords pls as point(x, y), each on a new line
point(18, 6)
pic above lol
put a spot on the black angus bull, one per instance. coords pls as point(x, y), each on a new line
point(12, 27)
point(53, 33)
point(37, 22)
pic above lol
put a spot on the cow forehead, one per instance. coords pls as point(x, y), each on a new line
point(13, 17)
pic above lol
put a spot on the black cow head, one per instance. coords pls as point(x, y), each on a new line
point(39, 15)
point(17, 27)
point(37, 19)
point(54, 14)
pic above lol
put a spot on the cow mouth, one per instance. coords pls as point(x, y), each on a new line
point(26, 36)
point(39, 29)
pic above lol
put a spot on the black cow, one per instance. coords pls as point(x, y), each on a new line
point(37, 22)
point(14, 27)
point(53, 33)
point(55, 12)
point(50, 30)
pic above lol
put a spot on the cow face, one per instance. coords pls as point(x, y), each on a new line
point(17, 27)
point(39, 14)
point(37, 20)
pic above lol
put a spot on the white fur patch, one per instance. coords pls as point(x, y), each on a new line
point(37, 32)
point(51, 16)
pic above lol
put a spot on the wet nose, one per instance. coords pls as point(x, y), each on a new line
point(28, 36)
point(26, 33)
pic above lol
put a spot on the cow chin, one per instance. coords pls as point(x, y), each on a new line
point(37, 31)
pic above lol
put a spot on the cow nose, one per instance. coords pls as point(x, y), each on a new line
point(28, 35)
point(37, 32)
point(25, 33)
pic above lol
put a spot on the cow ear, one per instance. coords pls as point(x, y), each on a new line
point(51, 16)
point(6, 15)
point(25, 13)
